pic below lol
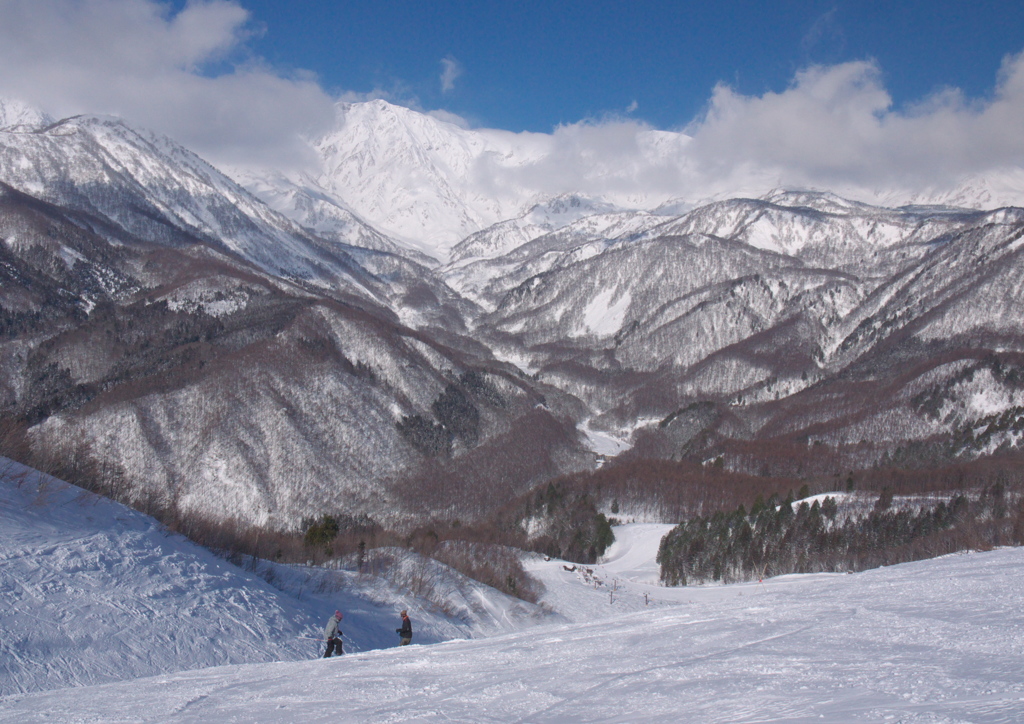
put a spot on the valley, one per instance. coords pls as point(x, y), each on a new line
point(256, 357)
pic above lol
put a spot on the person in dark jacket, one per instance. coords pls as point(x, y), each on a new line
point(406, 631)
point(333, 635)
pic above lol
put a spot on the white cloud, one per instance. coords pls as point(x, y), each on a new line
point(449, 117)
point(450, 70)
point(138, 60)
point(192, 75)
point(824, 33)
point(837, 125)
point(622, 160)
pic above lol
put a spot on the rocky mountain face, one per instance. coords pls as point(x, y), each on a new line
point(299, 346)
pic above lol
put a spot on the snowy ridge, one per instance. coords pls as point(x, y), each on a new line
point(432, 184)
point(147, 185)
point(992, 191)
point(487, 278)
point(324, 214)
point(18, 116)
point(822, 230)
point(543, 218)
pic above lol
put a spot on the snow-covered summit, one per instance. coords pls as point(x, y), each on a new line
point(431, 183)
point(18, 116)
point(418, 177)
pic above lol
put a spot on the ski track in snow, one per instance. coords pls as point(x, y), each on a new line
point(934, 641)
point(92, 592)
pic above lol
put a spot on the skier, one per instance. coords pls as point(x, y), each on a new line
point(406, 631)
point(333, 635)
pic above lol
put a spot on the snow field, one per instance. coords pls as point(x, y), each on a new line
point(935, 641)
point(92, 592)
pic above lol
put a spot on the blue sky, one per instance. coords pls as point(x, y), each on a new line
point(834, 94)
point(530, 65)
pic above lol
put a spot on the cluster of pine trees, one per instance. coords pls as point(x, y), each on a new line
point(457, 416)
point(778, 537)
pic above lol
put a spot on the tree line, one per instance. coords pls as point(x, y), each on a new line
point(777, 537)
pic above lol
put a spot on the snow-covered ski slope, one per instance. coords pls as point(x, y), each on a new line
point(92, 592)
point(934, 641)
point(938, 641)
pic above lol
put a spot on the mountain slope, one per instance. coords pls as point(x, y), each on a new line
point(201, 381)
point(152, 188)
point(168, 327)
point(747, 303)
point(95, 592)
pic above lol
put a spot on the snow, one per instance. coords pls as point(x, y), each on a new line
point(603, 442)
point(603, 316)
point(617, 584)
point(93, 592)
point(938, 641)
point(519, 359)
point(613, 442)
point(933, 641)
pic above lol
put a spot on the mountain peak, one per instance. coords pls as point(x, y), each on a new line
point(18, 116)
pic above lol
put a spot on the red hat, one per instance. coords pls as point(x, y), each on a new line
point(337, 614)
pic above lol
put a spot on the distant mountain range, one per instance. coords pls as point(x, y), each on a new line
point(413, 329)
point(430, 183)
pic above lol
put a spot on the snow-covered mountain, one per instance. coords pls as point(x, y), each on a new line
point(270, 351)
point(15, 115)
point(544, 218)
point(992, 190)
point(431, 183)
point(158, 316)
point(488, 265)
point(325, 215)
point(152, 188)
point(751, 302)
point(410, 175)
point(415, 175)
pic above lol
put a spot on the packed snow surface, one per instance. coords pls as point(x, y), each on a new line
point(92, 592)
point(934, 641)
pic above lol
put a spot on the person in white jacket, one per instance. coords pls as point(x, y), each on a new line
point(333, 635)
